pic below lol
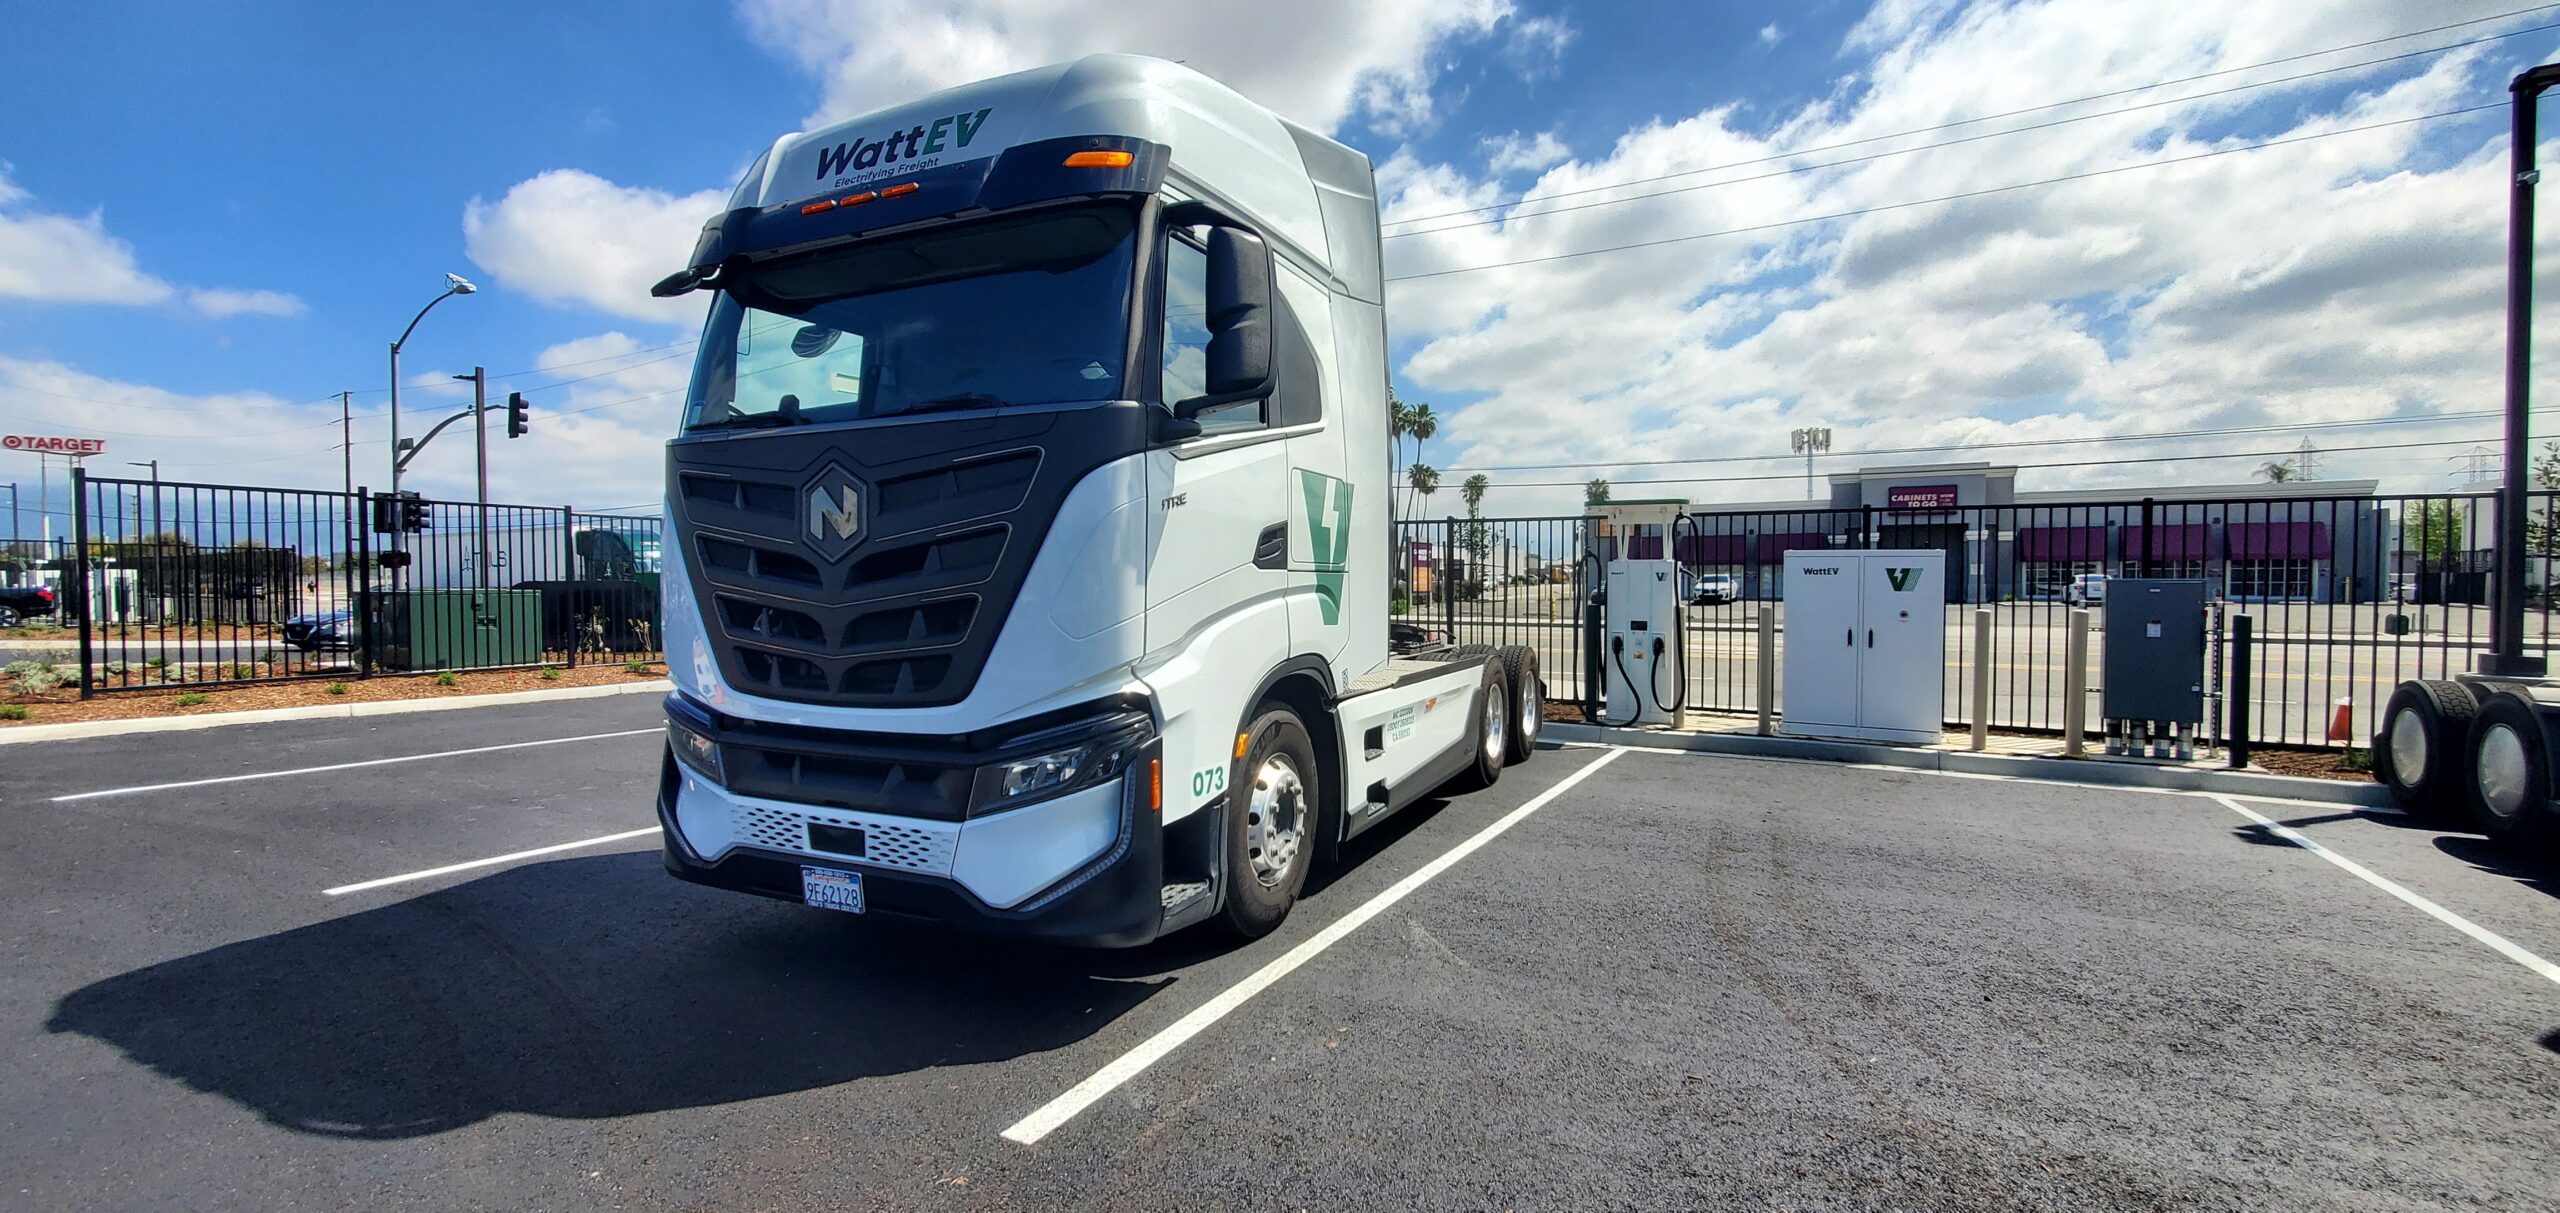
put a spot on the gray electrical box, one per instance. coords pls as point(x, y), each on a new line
point(2154, 669)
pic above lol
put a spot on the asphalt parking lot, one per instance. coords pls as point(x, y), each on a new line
point(1618, 979)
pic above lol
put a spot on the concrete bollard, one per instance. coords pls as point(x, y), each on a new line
point(1768, 668)
point(2075, 686)
point(1981, 678)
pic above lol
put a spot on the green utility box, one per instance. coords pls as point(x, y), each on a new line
point(458, 629)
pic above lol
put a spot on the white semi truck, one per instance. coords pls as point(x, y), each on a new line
point(1027, 562)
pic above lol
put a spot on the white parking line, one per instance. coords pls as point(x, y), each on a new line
point(2496, 942)
point(490, 862)
point(1045, 1119)
point(343, 766)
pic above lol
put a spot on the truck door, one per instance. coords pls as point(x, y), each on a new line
point(1217, 497)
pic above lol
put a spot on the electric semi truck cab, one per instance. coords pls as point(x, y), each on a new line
point(1026, 561)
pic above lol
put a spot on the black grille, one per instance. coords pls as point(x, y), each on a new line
point(953, 514)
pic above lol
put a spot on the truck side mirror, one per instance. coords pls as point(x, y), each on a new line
point(1239, 321)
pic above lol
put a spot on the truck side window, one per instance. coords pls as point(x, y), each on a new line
point(1186, 338)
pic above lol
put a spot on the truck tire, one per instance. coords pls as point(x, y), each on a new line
point(2423, 745)
point(2510, 771)
point(8, 617)
point(1488, 731)
point(1274, 809)
point(1528, 702)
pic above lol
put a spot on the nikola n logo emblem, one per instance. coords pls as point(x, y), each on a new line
point(1902, 579)
point(832, 507)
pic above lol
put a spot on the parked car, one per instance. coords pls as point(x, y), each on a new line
point(18, 603)
point(321, 630)
point(2087, 589)
point(1711, 589)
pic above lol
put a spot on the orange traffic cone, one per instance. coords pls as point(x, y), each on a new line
point(2340, 717)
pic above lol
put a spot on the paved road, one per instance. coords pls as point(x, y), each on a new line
point(1678, 982)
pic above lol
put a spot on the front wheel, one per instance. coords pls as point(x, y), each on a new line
point(8, 617)
point(1273, 811)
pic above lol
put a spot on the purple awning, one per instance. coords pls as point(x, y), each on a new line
point(1773, 548)
point(2277, 540)
point(2087, 543)
point(2180, 541)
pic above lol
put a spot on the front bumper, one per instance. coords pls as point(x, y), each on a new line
point(1110, 892)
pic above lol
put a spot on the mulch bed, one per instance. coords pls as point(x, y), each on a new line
point(2310, 764)
point(64, 706)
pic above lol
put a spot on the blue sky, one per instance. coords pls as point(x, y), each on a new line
point(328, 155)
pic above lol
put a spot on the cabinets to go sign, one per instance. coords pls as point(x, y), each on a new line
point(1866, 644)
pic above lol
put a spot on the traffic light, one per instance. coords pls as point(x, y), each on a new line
point(519, 415)
point(386, 513)
point(413, 512)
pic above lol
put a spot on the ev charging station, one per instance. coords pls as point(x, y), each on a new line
point(1642, 666)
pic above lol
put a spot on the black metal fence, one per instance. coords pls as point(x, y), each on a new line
point(2350, 594)
point(172, 584)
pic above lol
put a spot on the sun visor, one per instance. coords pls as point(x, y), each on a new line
point(1076, 166)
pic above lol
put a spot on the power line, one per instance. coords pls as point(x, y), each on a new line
point(1996, 189)
point(1905, 151)
point(2067, 463)
point(2032, 109)
point(1963, 447)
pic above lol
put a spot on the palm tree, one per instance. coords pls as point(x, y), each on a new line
point(1399, 423)
point(1479, 537)
point(1473, 490)
point(1425, 480)
point(1596, 491)
point(1420, 423)
point(2278, 472)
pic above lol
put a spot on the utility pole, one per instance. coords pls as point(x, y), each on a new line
point(479, 378)
point(1809, 442)
point(347, 442)
point(154, 465)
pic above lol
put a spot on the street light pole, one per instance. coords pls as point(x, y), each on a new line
point(154, 465)
point(455, 284)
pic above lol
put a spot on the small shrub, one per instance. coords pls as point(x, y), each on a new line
point(447, 679)
point(13, 711)
point(158, 663)
point(551, 673)
point(243, 670)
point(635, 667)
point(2356, 759)
point(336, 688)
point(194, 699)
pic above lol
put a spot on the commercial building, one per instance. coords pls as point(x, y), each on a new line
point(2319, 541)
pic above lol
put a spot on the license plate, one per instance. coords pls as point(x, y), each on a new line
point(829, 889)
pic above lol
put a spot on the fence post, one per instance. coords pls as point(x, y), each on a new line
point(1444, 583)
point(360, 611)
point(1981, 678)
point(2075, 685)
point(2242, 640)
point(1768, 668)
point(80, 571)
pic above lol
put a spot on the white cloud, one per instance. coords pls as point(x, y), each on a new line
point(66, 259)
point(222, 303)
point(1770, 33)
point(600, 441)
point(2345, 277)
point(1518, 153)
point(571, 237)
point(1319, 62)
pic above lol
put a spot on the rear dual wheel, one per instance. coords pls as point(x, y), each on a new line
point(1528, 694)
point(2423, 747)
point(2510, 771)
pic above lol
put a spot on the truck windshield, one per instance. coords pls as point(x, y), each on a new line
point(1023, 310)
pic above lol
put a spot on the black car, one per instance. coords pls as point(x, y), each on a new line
point(18, 603)
point(320, 630)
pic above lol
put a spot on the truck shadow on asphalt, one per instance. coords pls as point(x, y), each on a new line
point(2527, 863)
point(589, 988)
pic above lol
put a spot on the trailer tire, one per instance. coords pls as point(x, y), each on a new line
point(1528, 702)
point(1488, 730)
point(1274, 812)
point(2422, 752)
point(2509, 771)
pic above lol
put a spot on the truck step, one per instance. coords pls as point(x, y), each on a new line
point(1177, 896)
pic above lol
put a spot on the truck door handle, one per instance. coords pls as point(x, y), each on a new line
point(1871, 638)
point(1850, 638)
point(1271, 548)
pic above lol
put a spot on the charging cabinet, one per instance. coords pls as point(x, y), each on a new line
point(1865, 645)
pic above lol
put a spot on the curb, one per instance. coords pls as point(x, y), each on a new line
point(2055, 770)
point(317, 711)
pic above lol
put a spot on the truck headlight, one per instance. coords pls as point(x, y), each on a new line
point(1018, 781)
point(695, 750)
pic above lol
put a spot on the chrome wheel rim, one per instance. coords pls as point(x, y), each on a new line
point(2409, 749)
point(1275, 821)
point(1496, 727)
point(2502, 770)
point(1533, 707)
